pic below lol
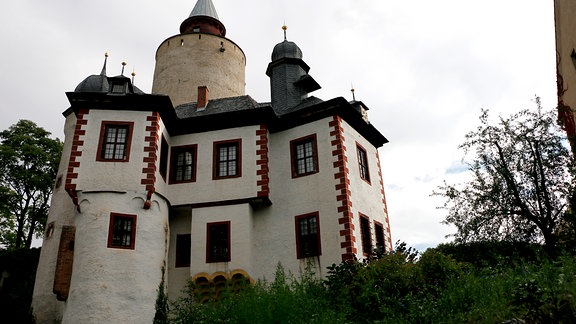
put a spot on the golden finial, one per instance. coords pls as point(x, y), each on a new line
point(106, 54)
point(133, 74)
point(284, 28)
point(352, 90)
point(123, 65)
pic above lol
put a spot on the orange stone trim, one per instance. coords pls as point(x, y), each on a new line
point(342, 187)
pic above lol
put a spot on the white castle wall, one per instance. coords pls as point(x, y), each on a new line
point(118, 176)
point(366, 197)
point(205, 189)
point(46, 307)
point(296, 196)
point(118, 284)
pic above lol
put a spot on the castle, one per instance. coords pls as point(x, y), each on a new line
point(198, 181)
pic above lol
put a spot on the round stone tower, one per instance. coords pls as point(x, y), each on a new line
point(199, 56)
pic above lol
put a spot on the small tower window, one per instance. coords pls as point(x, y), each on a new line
point(122, 231)
point(114, 144)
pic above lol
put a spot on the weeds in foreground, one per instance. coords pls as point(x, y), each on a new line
point(398, 289)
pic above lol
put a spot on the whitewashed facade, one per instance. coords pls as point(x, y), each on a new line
point(211, 187)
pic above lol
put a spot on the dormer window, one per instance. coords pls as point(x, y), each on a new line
point(196, 29)
point(118, 87)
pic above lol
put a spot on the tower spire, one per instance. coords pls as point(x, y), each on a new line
point(203, 19)
point(103, 72)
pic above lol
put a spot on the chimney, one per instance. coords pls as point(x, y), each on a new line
point(202, 97)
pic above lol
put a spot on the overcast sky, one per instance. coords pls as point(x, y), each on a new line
point(424, 68)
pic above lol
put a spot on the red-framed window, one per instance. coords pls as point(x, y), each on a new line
point(218, 242)
point(363, 163)
point(379, 234)
point(308, 235)
point(164, 148)
point(183, 250)
point(183, 164)
point(122, 231)
point(304, 156)
point(365, 235)
point(227, 159)
point(114, 142)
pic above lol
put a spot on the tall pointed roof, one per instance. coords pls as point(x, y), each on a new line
point(203, 19)
point(204, 8)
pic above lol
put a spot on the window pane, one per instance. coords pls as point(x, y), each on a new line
point(218, 242)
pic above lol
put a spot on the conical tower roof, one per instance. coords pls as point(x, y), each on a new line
point(203, 19)
point(204, 8)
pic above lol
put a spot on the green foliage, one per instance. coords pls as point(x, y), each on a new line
point(522, 176)
point(286, 299)
point(161, 315)
point(28, 166)
point(18, 267)
point(492, 253)
point(398, 288)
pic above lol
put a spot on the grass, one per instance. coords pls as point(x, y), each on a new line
point(435, 289)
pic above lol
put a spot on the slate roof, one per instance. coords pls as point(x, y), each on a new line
point(217, 106)
point(204, 8)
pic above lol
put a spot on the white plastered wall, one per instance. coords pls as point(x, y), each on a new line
point(117, 284)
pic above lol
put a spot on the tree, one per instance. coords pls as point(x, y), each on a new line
point(522, 176)
point(28, 165)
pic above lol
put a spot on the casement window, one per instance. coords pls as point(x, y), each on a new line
point(227, 159)
point(122, 231)
point(164, 158)
point(114, 143)
point(308, 236)
point(218, 242)
point(183, 163)
point(183, 250)
point(304, 156)
point(379, 234)
point(365, 234)
point(363, 163)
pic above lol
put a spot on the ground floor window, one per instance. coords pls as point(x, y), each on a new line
point(183, 244)
point(365, 234)
point(218, 242)
point(308, 236)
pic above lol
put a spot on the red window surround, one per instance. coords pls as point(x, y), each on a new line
point(304, 156)
point(379, 234)
point(122, 231)
point(363, 162)
point(183, 164)
point(115, 140)
point(308, 235)
point(218, 242)
point(227, 160)
point(365, 235)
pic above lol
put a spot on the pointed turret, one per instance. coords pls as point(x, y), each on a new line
point(203, 19)
point(290, 82)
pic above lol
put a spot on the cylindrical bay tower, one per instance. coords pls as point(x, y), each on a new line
point(200, 55)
